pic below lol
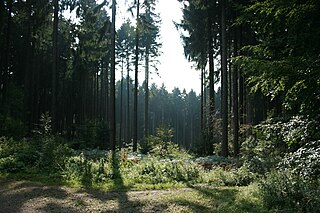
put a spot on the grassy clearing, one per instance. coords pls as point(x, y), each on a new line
point(201, 198)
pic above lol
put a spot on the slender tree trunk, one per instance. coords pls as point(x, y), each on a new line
point(241, 87)
point(211, 77)
point(121, 106)
point(224, 79)
point(28, 70)
point(107, 94)
point(202, 101)
point(146, 97)
point(6, 67)
point(112, 80)
point(128, 101)
point(55, 68)
point(102, 95)
point(135, 110)
point(235, 101)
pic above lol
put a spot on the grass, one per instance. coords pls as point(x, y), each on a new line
point(216, 199)
point(199, 198)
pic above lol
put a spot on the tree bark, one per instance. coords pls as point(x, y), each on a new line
point(112, 81)
point(235, 109)
point(55, 68)
point(146, 97)
point(224, 85)
point(135, 110)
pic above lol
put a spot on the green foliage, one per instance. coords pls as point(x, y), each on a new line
point(44, 128)
point(289, 193)
point(284, 60)
point(92, 134)
point(274, 138)
point(220, 176)
point(87, 171)
point(162, 146)
point(285, 153)
point(155, 171)
point(45, 155)
point(305, 162)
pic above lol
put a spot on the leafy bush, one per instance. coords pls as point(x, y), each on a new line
point(161, 145)
point(290, 193)
point(16, 156)
point(233, 177)
point(153, 171)
point(305, 162)
point(80, 169)
point(274, 138)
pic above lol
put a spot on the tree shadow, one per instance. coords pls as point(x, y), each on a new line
point(15, 195)
point(230, 197)
point(119, 191)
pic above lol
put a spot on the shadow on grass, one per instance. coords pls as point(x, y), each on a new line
point(231, 199)
point(118, 191)
point(15, 196)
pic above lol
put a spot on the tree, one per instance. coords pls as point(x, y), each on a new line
point(149, 37)
point(112, 79)
point(55, 70)
point(136, 70)
point(224, 82)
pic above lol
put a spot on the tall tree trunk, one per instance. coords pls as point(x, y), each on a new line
point(135, 110)
point(235, 110)
point(202, 101)
point(6, 68)
point(107, 93)
point(224, 84)
point(211, 77)
point(55, 68)
point(146, 96)
point(112, 80)
point(128, 101)
point(121, 106)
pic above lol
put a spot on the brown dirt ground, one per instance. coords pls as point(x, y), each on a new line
point(30, 197)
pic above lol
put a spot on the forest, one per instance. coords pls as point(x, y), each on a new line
point(80, 131)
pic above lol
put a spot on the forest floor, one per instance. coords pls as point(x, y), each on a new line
point(32, 197)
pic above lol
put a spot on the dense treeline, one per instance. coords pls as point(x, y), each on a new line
point(59, 96)
point(267, 56)
point(50, 63)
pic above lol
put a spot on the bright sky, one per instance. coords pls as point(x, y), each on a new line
point(175, 70)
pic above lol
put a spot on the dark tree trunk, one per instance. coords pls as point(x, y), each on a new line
point(135, 110)
point(112, 81)
point(211, 78)
point(224, 85)
point(146, 97)
point(121, 106)
point(6, 66)
point(55, 67)
point(235, 101)
point(128, 101)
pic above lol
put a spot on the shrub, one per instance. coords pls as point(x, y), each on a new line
point(274, 138)
point(161, 145)
point(87, 171)
point(305, 162)
point(16, 156)
point(153, 171)
point(289, 193)
point(233, 177)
